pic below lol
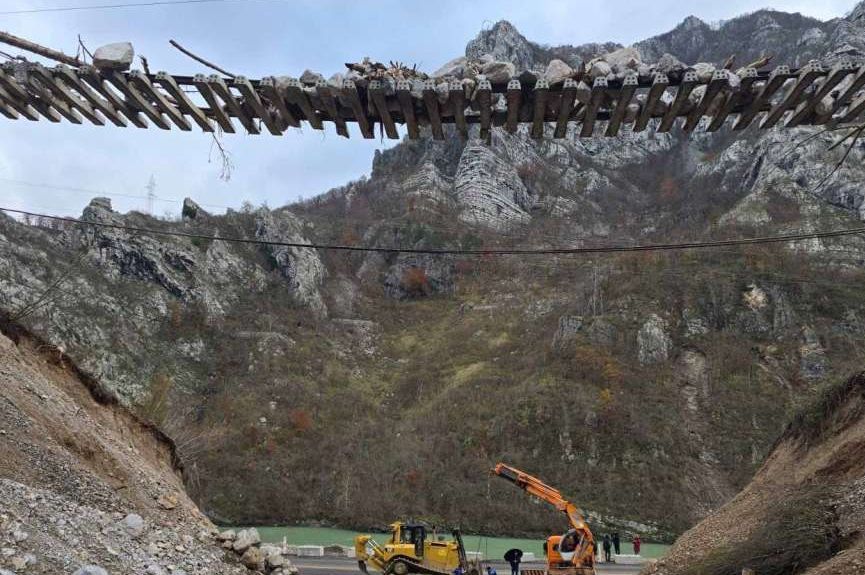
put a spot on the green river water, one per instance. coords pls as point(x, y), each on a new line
point(491, 547)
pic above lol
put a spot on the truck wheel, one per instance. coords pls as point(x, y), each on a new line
point(399, 568)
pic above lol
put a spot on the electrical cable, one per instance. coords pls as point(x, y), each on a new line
point(114, 6)
point(543, 251)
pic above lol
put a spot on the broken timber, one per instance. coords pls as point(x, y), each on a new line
point(783, 97)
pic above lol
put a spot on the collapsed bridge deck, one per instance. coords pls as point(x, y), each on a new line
point(812, 95)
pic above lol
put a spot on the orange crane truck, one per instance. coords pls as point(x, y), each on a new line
point(572, 553)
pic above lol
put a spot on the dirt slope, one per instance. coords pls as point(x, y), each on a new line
point(804, 511)
point(74, 465)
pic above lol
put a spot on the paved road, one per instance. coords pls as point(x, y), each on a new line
point(341, 566)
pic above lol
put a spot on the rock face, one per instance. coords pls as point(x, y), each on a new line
point(503, 42)
point(653, 340)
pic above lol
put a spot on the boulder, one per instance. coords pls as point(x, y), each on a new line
point(624, 60)
point(704, 71)
point(599, 68)
point(246, 538)
point(670, 65)
point(311, 78)
point(154, 569)
point(90, 570)
point(133, 524)
point(498, 72)
point(455, 68)
point(191, 210)
point(167, 502)
point(253, 558)
point(557, 71)
point(227, 535)
point(117, 56)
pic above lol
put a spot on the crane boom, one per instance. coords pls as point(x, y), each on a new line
point(534, 486)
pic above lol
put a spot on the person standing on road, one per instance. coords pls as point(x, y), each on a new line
point(606, 547)
point(617, 544)
point(514, 556)
point(637, 544)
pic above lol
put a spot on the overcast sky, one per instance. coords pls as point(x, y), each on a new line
point(274, 37)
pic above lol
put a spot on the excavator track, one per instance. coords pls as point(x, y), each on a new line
point(392, 568)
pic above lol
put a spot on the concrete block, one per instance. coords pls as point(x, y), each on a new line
point(529, 557)
point(310, 551)
point(624, 559)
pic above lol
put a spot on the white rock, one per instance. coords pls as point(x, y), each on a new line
point(133, 524)
point(246, 538)
point(455, 68)
point(653, 341)
point(624, 59)
point(599, 68)
point(557, 71)
point(498, 72)
point(117, 56)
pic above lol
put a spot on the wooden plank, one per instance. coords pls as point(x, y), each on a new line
point(376, 92)
point(457, 98)
point(349, 92)
point(42, 83)
point(776, 79)
point(70, 79)
point(806, 108)
point(541, 94)
point(219, 87)
point(250, 97)
point(736, 97)
point(141, 83)
point(8, 109)
point(484, 104)
point(325, 93)
point(599, 89)
point(200, 82)
point(659, 86)
point(22, 101)
point(91, 76)
point(296, 95)
point(689, 82)
point(629, 86)
point(566, 107)
point(718, 83)
point(431, 101)
point(61, 91)
point(514, 99)
point(271, 91)
point(807, 76)
point(134, 99)
point(186, 105)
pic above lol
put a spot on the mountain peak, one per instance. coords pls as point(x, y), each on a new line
point(691, 23)
point(503, 42)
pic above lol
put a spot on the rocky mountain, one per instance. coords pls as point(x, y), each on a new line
point(649, 386)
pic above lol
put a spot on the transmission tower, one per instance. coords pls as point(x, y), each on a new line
point(151, 194)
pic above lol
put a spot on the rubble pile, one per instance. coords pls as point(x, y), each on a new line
point(263, 558)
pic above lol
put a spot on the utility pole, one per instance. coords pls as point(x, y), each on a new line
point(151, 194)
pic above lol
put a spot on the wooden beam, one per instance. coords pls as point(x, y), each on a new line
point(24, 102)
point(718, 83)
point(70, 79)
point(807, 75)
point(250, 97)
point(806, 108)
point(376, 92)
point(200, 82)
point(217, 84)
point(140, 82)
point(328, 100)
point(457, 98)
point(484, 104)
point(689, 82)
point(541, 93)
point(40, 80)
point(514, 100)
point(60, 90)
point(298, 96)
point(776, 79)
point(91, 76)
point(566, 107)
point(134, 99)
point(183, 102)
point(659, 85)
point(270, 91)
point(349, 92)
point(598, 91)
point(629, 86)
point(736, 97)
point(431, 101)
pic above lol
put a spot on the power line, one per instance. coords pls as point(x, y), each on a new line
point(496, 252)
point(113, 6)
point(94, 193)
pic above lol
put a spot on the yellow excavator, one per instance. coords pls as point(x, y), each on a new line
point(411, 548)
point(572, 553)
